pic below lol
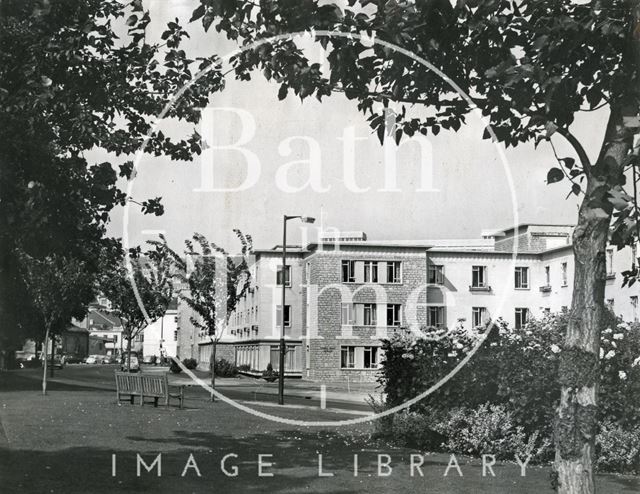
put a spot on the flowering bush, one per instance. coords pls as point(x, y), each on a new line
point(618, 448)
point(516, 369)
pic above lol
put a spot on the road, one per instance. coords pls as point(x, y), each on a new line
point(246, 389)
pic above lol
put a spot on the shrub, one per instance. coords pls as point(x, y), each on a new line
point(415, 430)
point(490, 429)
point(174, 367)
point(244, 368)
point(269, 374)
point(190, 363)
point(224, 368)
point(618, 448)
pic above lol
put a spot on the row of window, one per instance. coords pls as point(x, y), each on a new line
point(372, 271)
point(479, 278)
point(391, 272)
point(479, 316)
point(357, 272)
point(247, 316)
point(367, 314)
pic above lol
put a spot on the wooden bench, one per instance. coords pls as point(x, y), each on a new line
point(127, 384)
point(154, 386)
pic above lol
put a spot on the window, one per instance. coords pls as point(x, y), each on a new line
point(287, 275)
point(610, 303)
point(394, 272)
point(478, 316)
point(479, 277)
point(394, 317)
point(370, 314)
point(522, 315)
point(370, 357)
point(175, 335)
point(435, 275)
point(435, 316)
point(634, 308)
point(348, 271)
point(348, 357)
point(547, 275)
point(115, 336)
point(360, 357)
point(287, 316)
point(522, 277)
point(347, 314)
point(609, 262)
point(370, 272)
point(563, 267)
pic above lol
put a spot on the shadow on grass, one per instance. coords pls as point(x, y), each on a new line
point(294, 458)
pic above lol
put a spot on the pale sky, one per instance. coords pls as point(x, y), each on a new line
point(472, 188)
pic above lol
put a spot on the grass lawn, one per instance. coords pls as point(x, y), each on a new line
point(65, 442)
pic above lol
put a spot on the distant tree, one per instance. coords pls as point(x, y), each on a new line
point(212, 283)
point(140, 289)
point(58, 287)
point(531, 67)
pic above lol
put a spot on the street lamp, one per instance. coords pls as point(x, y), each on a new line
point(304, 219)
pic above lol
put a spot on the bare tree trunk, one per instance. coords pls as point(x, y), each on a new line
point(53, 351)
point(212, 364)
point(579, 372)
point(129, 351)
point(44, 354)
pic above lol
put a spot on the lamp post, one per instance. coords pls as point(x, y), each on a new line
point(304, 219)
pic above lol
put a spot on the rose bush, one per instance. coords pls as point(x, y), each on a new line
point(515, 370)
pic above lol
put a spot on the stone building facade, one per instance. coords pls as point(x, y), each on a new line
point(345, 294)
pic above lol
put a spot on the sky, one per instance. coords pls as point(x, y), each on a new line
point(467, 181)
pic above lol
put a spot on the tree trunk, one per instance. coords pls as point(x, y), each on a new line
point(53, 352)
point(576, 415)
point(212, 364)
point(44, 354)
point(129, 351)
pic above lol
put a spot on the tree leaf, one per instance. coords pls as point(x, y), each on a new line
point(282, 92)
point(132, 20)
point(554, 175)
point(197, 13)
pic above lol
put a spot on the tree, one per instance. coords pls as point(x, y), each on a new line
point(58, 287)
point(140, 289)
point(531, 67)
point(213, 282)
point(77, 75)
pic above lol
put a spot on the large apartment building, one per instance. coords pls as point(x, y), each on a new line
point(345, 293)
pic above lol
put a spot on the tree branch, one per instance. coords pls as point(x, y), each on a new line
point(577, 146)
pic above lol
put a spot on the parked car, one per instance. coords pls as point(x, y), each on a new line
point(27, 362)
point(93, 359)
point(58, 361)
point(109, 359)
point(72, 359)
point(134, 365)
point(150, 360)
